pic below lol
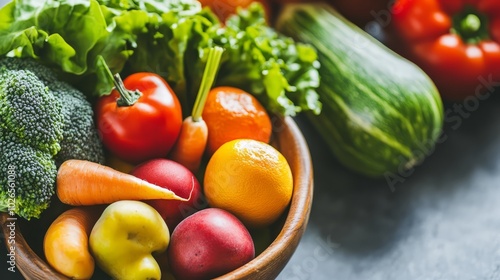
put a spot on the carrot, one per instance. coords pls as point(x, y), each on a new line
point(192, 140)
point(81, 182)
point(66, 245)
point(191, 144)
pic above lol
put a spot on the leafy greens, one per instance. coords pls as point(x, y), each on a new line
point(169, 37)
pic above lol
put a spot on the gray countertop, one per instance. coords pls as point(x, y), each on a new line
point(442, 222)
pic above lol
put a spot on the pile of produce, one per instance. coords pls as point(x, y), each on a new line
point(44, 122)
point(152, 123)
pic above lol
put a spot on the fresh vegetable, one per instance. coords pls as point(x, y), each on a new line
point(42, 121)
point(457, 43)
point(190, 146)
point(140, 119)
point(81, 182)
point(124, 239)
point(66, 245)
point(166, 37)
point(30, 176)
point(280, 73)
point(30, 111)
point(201, 241)
point(178, 179)
point(79, 135)
point(30, 131)
point(381, 113)
point(226, 8)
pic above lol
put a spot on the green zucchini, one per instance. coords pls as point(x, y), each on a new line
point(381, 113)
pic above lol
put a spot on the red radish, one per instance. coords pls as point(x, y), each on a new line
point(208, 244)
point(177, 178)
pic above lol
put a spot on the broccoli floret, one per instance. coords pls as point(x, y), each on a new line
point(30, 111)
point(28, 177)
point(81, 140)
point(43, 122)
point(80, 137)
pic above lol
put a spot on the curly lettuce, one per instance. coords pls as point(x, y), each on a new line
point(168, 37)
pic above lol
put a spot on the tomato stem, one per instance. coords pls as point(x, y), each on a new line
point(127, 97)
point(213, 61)
point(471, 25)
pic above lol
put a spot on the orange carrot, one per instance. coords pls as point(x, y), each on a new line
point(81, 182)
point(191, 144)
point(65, 243)
point(192, 139)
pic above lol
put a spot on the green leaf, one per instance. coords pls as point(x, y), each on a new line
point(170, 38)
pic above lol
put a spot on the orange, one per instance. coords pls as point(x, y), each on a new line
point(250, 179)
point(231, 113)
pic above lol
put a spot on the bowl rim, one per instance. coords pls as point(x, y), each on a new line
point(270, 262)
point(299, 209)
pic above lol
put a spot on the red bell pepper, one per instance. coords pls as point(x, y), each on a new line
point(141, 118)
point(456, 42)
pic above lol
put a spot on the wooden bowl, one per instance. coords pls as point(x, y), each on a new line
point(266, 265)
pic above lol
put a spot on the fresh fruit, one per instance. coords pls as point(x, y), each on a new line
point(140, 119)
point(174, 176)
point(208, 244)
point(231, 113)
point(225, 8)
point(124, 238)
point(381, 113)
point(250, 179)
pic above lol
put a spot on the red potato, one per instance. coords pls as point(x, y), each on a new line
point(177, 178)
point(208, 244)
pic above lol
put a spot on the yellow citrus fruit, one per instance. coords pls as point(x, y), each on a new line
point(250, 179)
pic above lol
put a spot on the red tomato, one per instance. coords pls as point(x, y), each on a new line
point(224, 8)
point(145, 127)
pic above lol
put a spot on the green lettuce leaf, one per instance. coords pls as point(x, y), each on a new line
point(281, 73)
point(168, 37)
